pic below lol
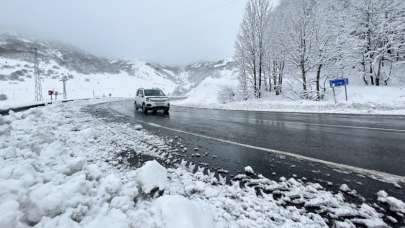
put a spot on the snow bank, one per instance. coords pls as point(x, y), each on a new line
point(362, 100)
point(9, 213)
point(180, 212)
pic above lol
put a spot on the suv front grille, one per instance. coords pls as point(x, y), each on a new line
point(158, 100)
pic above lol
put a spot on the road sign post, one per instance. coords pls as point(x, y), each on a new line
point(337, 83)
point(346, 91)
point(334, 94)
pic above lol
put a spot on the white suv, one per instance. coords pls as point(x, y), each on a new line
point(151, 99)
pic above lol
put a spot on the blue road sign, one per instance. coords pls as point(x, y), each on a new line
point(339, 82)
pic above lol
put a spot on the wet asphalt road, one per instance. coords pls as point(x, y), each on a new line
point(363, 141)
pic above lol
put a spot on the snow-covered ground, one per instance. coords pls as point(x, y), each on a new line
point(61, 167)
point(361, 100)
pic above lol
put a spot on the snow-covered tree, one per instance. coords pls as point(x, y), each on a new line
point(326, 49)
point(276, 55)
point(251, 46)
point(298, 36)
point(226, 94)
point(314, 40)
point(379, 32)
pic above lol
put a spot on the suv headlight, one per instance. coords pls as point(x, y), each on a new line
point(147, 99)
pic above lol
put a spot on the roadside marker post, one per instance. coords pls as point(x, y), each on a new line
point(337, 83)
point(346, 91)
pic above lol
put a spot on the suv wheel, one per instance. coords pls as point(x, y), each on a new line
point(144, 109)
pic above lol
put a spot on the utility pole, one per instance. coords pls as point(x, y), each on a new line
point(37, 78)
point(64, 79)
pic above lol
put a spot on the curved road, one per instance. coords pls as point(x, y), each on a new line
point(328, 148)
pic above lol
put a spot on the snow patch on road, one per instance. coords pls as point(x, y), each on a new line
point(395, 204)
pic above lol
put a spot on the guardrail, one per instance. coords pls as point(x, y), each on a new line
point(4, 112)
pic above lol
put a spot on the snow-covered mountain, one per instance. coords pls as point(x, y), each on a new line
point(90, 75)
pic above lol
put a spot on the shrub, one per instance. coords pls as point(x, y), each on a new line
point(226, 94)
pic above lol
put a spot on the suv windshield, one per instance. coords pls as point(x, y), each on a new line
point(154, 92)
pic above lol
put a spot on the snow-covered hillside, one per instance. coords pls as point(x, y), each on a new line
point(194, 75)
point(89, 75)
point(208, 90)
point(19, 84)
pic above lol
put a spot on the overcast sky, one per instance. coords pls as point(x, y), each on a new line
point(164, 31)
